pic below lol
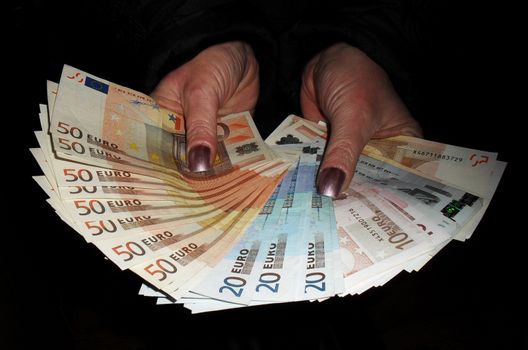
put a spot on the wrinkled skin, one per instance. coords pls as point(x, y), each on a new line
point(345, 88)
point(340, 85)
point(222, 79)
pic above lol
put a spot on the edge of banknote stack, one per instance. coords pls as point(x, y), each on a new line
point(252, 230)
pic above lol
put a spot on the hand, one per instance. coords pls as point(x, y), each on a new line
point(344, 87)
point(222, 79)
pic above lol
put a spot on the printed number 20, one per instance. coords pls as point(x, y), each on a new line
point(312, 281)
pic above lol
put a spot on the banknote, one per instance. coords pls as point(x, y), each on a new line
point(295, 130)
point(470, 226)
point(267, 272)
point(481, 178)
point(323, 273)
point(171, 241)
point(282, 266)
point(90, 110)
point(252, 230)
point(432, 205)
point(239, 278)
point(230, 236)
point(236, 277)
point(380, 202)
point(462, 167)
point(150, 188)
point(249, 271)
point(374, 239)
point(414, 212)
point(113, 219)
point(466, 168)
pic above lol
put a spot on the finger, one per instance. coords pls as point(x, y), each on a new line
point(408, 127)
point(168, 91)
point(310, 109)
point(200, 107)
point(349, 133)
point(309, 106)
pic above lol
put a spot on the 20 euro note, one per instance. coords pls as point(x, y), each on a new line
point(323, 276)
point(259, 263)
point(271, 263)
point(283, 268)
point(238, 275)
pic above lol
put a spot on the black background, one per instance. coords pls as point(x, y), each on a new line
point(58, 291)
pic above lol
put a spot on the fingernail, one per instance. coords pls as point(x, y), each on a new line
point(199, 158)
point(330, 182)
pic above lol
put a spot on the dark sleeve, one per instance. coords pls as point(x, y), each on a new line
point(170, 33)
point(389, 32)
point(162, 35)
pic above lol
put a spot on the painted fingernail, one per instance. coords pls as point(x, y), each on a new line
point(330, 182)
point(199, 158)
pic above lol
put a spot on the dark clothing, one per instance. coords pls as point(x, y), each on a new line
point(449, 64)
point(155, 37)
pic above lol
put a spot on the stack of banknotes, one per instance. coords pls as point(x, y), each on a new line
point(252, 230)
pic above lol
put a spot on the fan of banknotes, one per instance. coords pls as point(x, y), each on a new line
point(252, 230)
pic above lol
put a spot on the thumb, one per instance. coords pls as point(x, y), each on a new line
point(200, 107)
point(348, 136)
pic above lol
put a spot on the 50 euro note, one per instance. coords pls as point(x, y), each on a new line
point(94, 111)
point(195, 235)
point(73, 170)
point(144, 240)
point(77, 180)
point(108, 159)
point(169, 251)
point(73, 179)
point(88, 203)
point(128, 224)
point(220, 197)
point(187, 274)
point(141, 241)
point(99, 218)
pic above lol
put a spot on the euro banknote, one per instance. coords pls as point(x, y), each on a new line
point(252, 230)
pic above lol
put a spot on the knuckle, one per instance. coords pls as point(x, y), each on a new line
point(199, 92)
point(342, 153)
point(201, 128)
